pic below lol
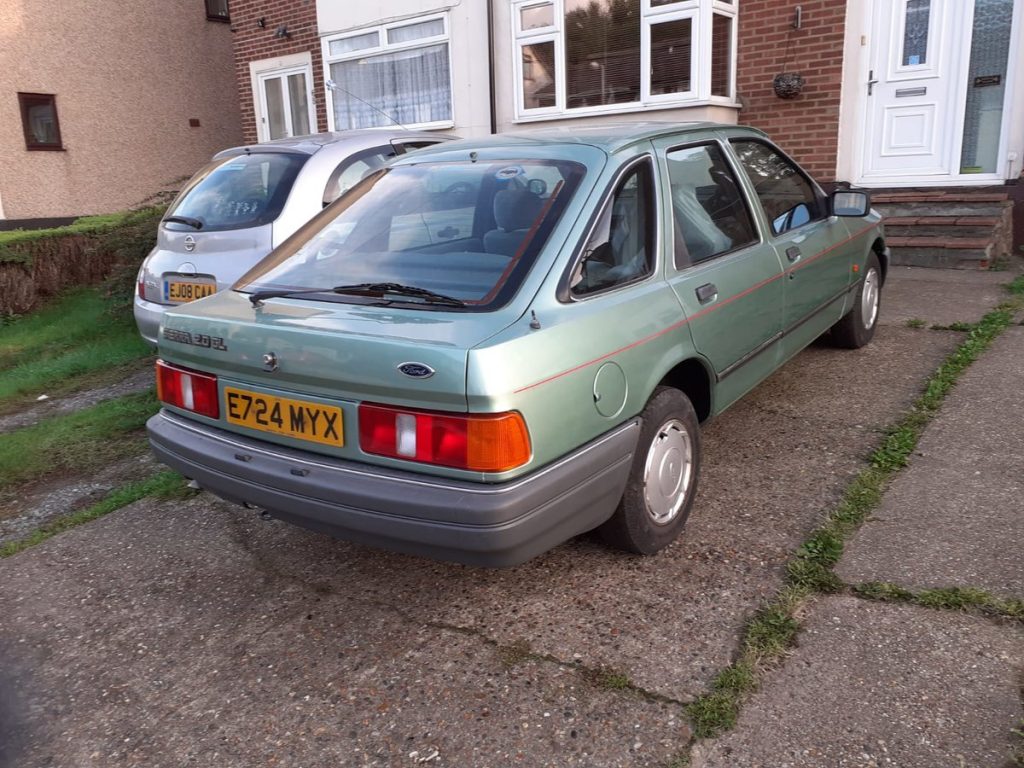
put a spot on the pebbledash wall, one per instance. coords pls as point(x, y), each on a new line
point(259, 48)
point(127, 81)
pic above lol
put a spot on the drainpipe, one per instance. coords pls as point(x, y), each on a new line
point(490, 65)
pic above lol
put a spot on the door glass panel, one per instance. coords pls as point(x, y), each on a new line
point(915, 33)
point(275, 108)
point(986, 86)
point(786, 195)
point(298, 100)
point(708, 208)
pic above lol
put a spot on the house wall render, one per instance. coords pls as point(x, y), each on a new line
point(127, 81)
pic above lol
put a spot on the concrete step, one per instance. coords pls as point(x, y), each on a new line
point(917, 209)
point(949, 231)
point(953, 229)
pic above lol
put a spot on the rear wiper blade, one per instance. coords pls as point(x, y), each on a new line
point(397, 289)
point(378, 290)
point(194, 223)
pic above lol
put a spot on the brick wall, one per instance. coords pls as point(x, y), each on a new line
point(806, 126)
point(252, 43)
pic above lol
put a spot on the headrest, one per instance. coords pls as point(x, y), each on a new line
point(516, 209)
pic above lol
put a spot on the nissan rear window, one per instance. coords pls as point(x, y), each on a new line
point(238, 192)
point(466, 230)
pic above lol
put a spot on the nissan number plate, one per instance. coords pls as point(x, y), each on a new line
point(180, 291)
point(283, 416)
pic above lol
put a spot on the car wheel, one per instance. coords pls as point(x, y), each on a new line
point(663, 480)
point(858, 325)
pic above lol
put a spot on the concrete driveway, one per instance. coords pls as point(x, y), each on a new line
point(199, 634)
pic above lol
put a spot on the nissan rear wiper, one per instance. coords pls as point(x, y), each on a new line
point(194, 223)
point(375, 290)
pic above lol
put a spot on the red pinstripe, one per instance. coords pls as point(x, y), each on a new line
point(700, 314)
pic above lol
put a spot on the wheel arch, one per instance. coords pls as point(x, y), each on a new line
point(878, 246)
point(693, 377)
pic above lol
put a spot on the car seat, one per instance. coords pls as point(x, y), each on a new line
point(515, 211)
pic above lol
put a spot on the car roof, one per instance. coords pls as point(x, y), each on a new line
point(610, 137)
point(313, 143)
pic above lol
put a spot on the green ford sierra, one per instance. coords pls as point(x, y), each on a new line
point(493, 345)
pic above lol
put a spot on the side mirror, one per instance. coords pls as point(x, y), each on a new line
point(847, 202)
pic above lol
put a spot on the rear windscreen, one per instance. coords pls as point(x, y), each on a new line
point(239, 192)
point(467, 230)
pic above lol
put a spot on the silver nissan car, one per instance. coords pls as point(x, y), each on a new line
point(246, 202)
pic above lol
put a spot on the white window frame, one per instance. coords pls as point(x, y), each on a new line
point(700, 11)
point(281, 65)
point(383, 46)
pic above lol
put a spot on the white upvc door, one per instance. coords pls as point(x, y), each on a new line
point(286, 104)
point(935, 104)
point(913, 110)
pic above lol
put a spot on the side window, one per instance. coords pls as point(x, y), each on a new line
point(788, 199)
point(710, 214)
point(621, 247)
point(354, 168)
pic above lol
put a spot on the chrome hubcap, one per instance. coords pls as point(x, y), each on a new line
point(869, 298)
point(668, 471)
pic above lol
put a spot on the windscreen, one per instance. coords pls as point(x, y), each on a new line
point(465, 230)
point(238, 192)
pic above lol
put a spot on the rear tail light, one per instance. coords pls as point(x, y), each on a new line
point(188, 389)
point(479, 442)
point(142, 286)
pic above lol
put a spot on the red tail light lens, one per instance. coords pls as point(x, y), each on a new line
point(142, 287)
point(188, 389)
point(479, 442)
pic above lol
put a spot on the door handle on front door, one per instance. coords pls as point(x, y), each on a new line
point(707, 293)
point(871, 82)
point(793, 254)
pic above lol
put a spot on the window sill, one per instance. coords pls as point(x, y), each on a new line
point(625, 109)
point(45, 149)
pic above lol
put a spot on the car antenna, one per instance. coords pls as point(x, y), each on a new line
point(335, 87)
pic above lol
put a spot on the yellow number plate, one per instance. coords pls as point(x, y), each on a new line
point(284, 416)
point(181, 292)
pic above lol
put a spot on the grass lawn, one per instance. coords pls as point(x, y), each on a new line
point(76, 443)
point(73, 342)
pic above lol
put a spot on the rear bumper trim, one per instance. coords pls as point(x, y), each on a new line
point(493, 525)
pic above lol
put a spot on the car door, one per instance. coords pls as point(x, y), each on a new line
point(806, 237)
point(726, 277)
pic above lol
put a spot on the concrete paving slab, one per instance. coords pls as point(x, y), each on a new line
point(129, 643)
point(940, 296)
point(955, 516)
point(874, 685)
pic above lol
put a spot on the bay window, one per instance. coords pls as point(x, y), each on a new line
point(398, 73)
point(603, 56)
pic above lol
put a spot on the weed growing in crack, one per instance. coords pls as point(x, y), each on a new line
point(773, 630)
point(915, 322)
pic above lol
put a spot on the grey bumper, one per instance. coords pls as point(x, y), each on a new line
point(492, 525)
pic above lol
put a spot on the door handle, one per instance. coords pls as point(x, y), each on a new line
point(793, 254)
point(707, 293)
point(871, 82)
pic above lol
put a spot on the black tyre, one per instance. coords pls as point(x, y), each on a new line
point(663, 480)
point(857, 327)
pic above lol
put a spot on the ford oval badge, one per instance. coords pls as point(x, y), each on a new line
point(416, 370)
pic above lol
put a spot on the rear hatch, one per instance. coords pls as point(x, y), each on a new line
point(303, 354)
point(220, 225)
